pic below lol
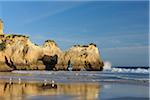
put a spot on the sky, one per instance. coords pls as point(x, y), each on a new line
point(119, 28)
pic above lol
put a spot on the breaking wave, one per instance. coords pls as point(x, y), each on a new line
point(108, 68)
point(107, 65)
point(130, 70)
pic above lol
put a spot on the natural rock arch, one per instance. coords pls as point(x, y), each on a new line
point(50, 62)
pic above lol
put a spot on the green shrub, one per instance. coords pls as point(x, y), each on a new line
point(16, 35)
point(93, 44)
point(51, 41)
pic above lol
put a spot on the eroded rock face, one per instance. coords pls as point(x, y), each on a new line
point(83, 58)
point(18, 52)
point(21, 51)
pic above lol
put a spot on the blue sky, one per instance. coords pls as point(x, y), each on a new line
point(119, 28)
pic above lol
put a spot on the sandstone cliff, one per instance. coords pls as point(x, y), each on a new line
point(18, 52)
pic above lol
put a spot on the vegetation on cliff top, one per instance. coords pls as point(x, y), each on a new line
point(16, 35)
point(85, 45)
point(51, 41)
point(93, 44)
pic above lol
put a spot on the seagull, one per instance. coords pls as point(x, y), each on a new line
point(19, 80)
point(45, 82)
point(53, 83)
point(10, 80)
point(77, 74)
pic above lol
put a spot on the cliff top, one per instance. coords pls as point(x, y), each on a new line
point(51, 41)
point(14, 35)
point(85, 45)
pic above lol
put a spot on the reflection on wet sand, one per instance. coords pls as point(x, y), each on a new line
point(16, 91)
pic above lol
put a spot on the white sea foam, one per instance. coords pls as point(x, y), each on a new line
point(107, 65)
point(124, 70)
point(32, 72)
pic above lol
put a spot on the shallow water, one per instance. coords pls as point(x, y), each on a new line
point(65, 85)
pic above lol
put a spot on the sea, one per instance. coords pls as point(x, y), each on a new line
point(114, 83)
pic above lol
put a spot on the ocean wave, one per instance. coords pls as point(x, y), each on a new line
point(32, 72)
point(130, 70)
point(108, 68)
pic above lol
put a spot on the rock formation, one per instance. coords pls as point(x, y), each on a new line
point(18, 52)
